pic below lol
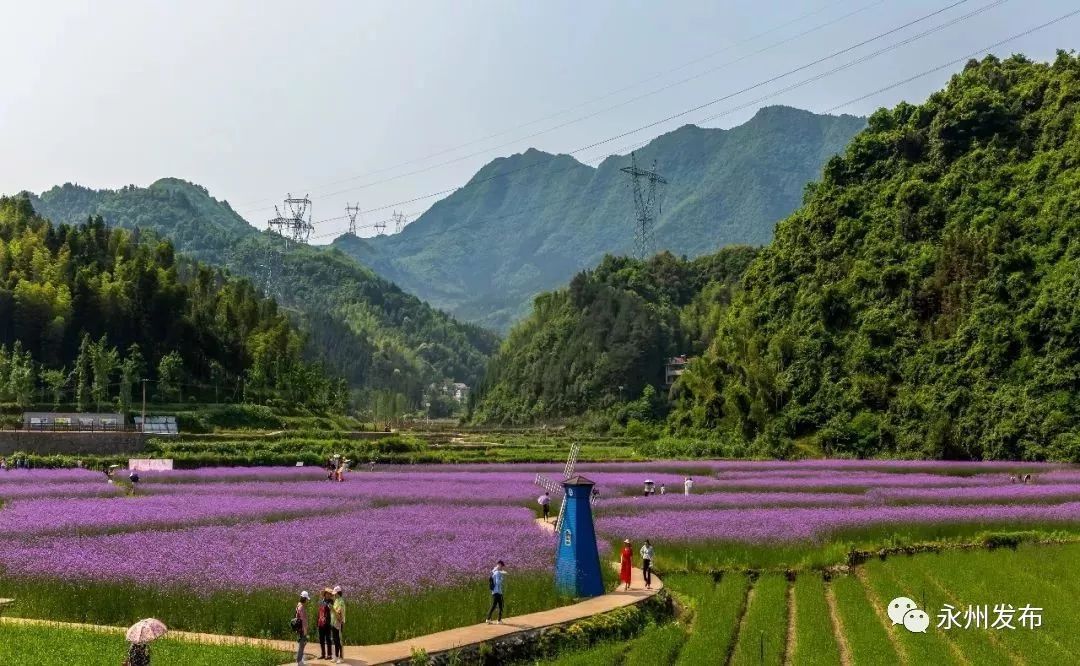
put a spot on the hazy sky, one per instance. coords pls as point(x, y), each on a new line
point(256, 99)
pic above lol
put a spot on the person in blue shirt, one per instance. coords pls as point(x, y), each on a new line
point(497, 575)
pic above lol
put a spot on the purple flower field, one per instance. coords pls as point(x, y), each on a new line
point(410, 529)
point(791, 524)
point(373, 552)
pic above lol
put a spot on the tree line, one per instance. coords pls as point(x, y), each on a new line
point(88, 312)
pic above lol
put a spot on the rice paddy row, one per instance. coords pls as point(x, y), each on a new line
point(824, 620)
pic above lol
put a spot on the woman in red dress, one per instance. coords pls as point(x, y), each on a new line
point(624, 570)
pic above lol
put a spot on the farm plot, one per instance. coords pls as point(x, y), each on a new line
point(225, 550)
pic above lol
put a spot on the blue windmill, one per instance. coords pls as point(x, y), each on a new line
point(577, 560)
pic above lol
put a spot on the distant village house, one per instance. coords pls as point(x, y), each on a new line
point(674, 367)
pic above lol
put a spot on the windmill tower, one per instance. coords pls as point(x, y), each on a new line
point(577, 560)
point(648, 189)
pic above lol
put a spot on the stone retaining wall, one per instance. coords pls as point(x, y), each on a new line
point(70, 443)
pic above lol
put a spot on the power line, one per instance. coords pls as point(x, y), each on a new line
point(607, 95)
point(946, 65)
point(861, 59)
point(953, 63)
point(602, 111)
point(699, 107)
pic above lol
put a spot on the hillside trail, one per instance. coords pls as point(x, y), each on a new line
point(443, 641)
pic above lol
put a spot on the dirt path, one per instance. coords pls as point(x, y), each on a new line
point(792, 617)
point(838, 627)
point(431, 643)
point(741, 624)
point(879, 605)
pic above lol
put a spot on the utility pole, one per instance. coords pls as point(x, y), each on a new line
point(648, 189)
point(295, 225)
point(353, 212)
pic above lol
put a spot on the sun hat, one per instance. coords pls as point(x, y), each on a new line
point(305, 595)
point(337, 589)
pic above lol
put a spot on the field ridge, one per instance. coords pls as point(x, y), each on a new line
point(946, 592)
point(838, 626)
point(789, 641)
point(741, 624)
point(878, 605)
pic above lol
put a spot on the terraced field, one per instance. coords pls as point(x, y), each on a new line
point(842, 618)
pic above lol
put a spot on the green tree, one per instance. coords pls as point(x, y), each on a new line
point(103, 361)
point(131, 371)
point(83, 365)
point(21, 380)
point(5, 374)
point(55, 382)
point(170, 377)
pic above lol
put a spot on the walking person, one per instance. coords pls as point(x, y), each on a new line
point(545, 504)
point(496, 585)
point(337, 622)
point(646, 563)
point(300, 626)
point(626, 564)
point(687, 485)
point(663, 489)
point(322, 624)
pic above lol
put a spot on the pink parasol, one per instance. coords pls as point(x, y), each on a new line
point(146, 630)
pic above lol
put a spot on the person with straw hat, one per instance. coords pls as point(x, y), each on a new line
point(337, 623)
point(626, 563)
point(322, 623)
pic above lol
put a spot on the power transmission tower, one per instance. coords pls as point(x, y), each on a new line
point(648, 188)
point(294, 226)
point(353, 212)
point(400, 220)
point(380, 228)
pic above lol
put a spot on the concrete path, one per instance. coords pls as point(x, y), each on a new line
point(478, 633)
point(365, 655)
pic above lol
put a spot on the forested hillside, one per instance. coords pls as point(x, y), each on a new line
point(925, 300)
point(527, 223)
point(360, 324)
point(604, 339)
point(87, 312)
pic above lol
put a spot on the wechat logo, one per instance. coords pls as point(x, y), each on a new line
point(904, 611)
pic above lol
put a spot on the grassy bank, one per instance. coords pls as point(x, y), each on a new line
point(62, 646)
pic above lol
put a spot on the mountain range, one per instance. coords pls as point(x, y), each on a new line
point(361, 325)
point(527, 223)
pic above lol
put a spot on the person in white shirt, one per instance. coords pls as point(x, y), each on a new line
point(662, 489)
point(687, 485)
point(497, 575)
point(646, 563)
point(545, 504)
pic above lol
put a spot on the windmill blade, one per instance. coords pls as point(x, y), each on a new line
point(568, 471)
point(558, 521)
point(548, 485)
